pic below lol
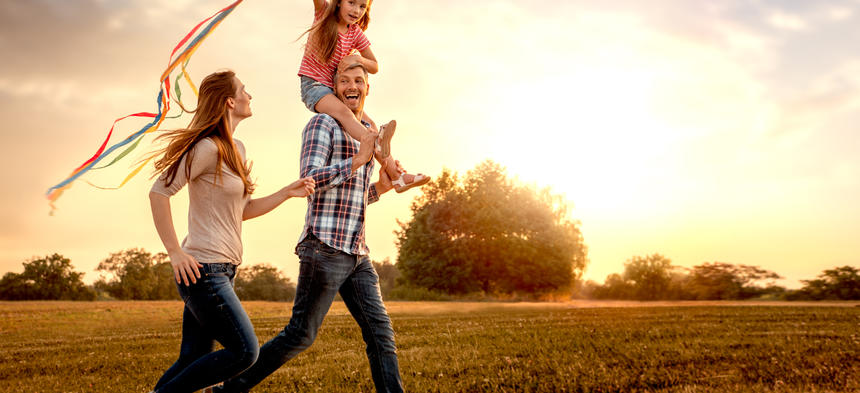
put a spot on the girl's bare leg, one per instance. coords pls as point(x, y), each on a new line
point(335, 108)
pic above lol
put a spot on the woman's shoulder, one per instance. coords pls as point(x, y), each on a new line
point(205, 152)
point(208, 147)
point(205, 146)
point(240, 146)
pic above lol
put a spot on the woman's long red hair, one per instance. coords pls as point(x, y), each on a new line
point(211, 120)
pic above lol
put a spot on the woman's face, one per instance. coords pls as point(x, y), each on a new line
point(351, 11)
point(241, 101)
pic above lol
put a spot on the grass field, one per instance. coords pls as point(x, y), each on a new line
point(463, 347)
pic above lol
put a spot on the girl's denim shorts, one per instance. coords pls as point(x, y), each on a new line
point(313, 92)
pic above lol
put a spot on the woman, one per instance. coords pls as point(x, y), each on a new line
point(207, 158)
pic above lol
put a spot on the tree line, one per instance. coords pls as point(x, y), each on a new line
point(132, 274)
point(135, 274)
point(653, 277)
point(482, 235)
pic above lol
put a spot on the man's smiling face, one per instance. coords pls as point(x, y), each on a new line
point(351, 88)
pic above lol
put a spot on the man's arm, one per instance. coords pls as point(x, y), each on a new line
point(317, 150)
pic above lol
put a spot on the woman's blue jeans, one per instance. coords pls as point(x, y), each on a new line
point(212, 313)
point(324, 272)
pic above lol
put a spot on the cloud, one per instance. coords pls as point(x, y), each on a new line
point(839, 14)
point(787, 21)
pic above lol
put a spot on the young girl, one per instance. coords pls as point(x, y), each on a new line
point(207, 158)
point(333, 40)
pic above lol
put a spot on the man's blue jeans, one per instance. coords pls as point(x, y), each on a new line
point(323, 273)
point(212, 312)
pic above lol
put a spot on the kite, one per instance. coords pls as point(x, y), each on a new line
point(177, 58)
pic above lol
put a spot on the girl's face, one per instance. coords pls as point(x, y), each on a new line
point(351, 11)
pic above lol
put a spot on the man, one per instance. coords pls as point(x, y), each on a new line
point(332, 252)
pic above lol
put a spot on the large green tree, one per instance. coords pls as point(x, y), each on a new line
point(489, 234)
point(263, 282)
point(49, 278)
point(135, 274)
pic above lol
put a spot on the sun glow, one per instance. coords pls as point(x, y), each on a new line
point(591, 133)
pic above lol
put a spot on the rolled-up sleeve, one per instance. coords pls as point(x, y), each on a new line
point(316, 150)
point(372, 194)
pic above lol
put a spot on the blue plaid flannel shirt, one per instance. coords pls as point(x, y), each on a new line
point(336, 210)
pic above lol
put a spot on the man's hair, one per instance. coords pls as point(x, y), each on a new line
point(351, 66)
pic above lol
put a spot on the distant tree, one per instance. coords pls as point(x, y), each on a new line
point(48, 278)
point(263, 282)
point(840, 283)
point(649, 276)
point(135, 274)
point(488, 234)
point(614, 287)
point(725, 281)
point(388, 275)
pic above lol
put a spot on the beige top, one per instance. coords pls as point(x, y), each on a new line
point(215, 214)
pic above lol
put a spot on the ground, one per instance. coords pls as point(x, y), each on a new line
point(463, 347)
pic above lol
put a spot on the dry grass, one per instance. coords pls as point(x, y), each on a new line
point(463, 347)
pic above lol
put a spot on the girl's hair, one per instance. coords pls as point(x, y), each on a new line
point(211, 120)
point(322, 35)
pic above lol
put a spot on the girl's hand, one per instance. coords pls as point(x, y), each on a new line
point(301, 188)
point(348, 61)
point(185, 267)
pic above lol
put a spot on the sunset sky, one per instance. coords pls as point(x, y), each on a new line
point(705, 131)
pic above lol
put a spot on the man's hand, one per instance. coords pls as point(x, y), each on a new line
point(367, 145)
point(384, 183)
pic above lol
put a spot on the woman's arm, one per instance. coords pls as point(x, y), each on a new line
point(258, 207)
point(185, 267)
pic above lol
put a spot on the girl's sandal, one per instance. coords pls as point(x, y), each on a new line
point(400, 184)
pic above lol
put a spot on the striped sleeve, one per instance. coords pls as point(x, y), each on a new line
point(360, 42)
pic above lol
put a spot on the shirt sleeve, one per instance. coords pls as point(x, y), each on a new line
point(203, 157)
point(372, 194)
point(360, 42)
point(317, 151)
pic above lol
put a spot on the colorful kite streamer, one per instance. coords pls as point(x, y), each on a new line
point(163, 101)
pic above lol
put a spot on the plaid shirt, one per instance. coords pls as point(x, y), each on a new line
point(336, 209)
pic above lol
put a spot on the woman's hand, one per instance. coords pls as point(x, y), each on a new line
point(301, 188)
point(185, 267)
